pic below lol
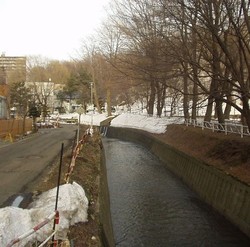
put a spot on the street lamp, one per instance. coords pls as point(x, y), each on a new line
point(92, 105)
point(80, 111)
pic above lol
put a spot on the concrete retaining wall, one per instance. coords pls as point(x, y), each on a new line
point(224, 193)
point(105, 215)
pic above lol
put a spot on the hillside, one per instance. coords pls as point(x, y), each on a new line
point(230, 153)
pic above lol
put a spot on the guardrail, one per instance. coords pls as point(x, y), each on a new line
point(76, 152)
point(227, 127)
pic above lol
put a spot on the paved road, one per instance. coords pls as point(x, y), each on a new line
point(23, 161)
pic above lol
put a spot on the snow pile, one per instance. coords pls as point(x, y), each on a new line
point(87, 118)
point(95, 119)
point(14, 222)
point(72, 207)
point(151, 124)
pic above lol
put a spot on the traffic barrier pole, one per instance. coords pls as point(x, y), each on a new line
point(58, 186)
point(33, 230)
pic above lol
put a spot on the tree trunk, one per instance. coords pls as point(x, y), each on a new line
point(151, 100)
point(109, 102)
point(219, 111)
point(194, 69)
point(185, 96)
point(246, 111)
point(96, 99)
point(34, 124)
point(228, 108)
point(159, 108)
point(209, 110)
point(161, 95)
point(195, 101)
point(172, 107)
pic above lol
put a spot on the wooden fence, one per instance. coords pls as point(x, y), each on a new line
point(12, 128)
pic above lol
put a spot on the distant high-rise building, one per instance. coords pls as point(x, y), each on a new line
point(12, 69)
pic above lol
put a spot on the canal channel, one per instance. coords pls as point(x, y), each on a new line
point(152, 207)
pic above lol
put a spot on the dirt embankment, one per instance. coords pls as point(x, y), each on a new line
point(86, 173)
point(230, 153)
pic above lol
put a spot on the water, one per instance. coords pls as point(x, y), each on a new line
point(151, 207)
point(17, 201)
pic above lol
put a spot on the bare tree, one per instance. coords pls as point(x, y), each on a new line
point(89, 51)
point(36, 69)
point(43, 93)
point(217, 53)
point(145, 52)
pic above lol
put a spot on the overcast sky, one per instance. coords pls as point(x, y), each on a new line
point(50, 28)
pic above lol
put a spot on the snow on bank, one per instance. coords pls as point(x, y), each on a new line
point(151, 124)
point(95, 119)
point(72, 207)
point(87, 118)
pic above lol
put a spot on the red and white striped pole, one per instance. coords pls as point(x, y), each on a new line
point(56, 222)
point(34, 229)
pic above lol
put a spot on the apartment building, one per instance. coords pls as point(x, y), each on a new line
point(12, 69)
point(4, 92)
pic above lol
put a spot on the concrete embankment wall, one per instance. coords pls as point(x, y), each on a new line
point(227, 195)
point(105, 215)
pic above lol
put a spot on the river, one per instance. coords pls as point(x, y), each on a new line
point(152, 207)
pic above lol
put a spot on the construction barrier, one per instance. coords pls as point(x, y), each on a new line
point(76, 152)
point(54, 215)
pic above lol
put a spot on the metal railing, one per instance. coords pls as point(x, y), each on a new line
point(227, 127)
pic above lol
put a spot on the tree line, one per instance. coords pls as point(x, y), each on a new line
point(199, 49)
point(193, 52)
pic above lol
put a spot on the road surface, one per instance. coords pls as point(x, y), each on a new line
point(23, 161)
